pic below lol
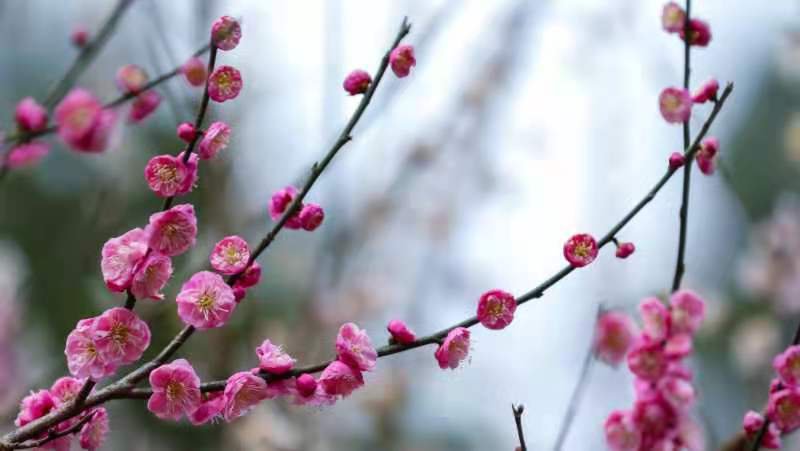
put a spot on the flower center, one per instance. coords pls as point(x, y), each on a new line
point(672, 102)
point(166, 173)
point(231, 255)
point(495, 308)
point(174, 390)
point(581, 250)
point(206, 303)
point(119, 333)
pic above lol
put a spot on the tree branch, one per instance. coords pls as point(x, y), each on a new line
point(55, 435)
point(518, 410)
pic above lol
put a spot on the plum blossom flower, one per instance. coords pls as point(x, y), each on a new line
point(120, 255)
point(143, 106)
point(402, 59)
point(27, 154)
point(677, 391)
point(65, 389)
point(707, 155)
point(673, 18)
point(625, 250)
point(251, 276)
point(699, 33)
point(676, 160)
point(30, 115)
point(194, 70)
point(621, 433)
point(176, 390)
point(787, 365)
point(209, 408)
point(34, 406)
point(214, 140)
point(784, 409)
point(311, 217)
point(82, 122)
point(151, 276)
point(655, 318)
point(580, 250)
point(357, 82)
point(243, 391)
point(224, 83)
point(230, 255)
point(454, 349)
point(675, 105)
point(647, 360)
point(354, 347)
point(205, 301)
point(400, 332)
point(120, 336)
point(706, 92)
point(273, 359)
point(226, 33)
point(496, 309)
point(131, 78)
point(93, 434)
point(340, 379)
point(614, 336)
point(167, 175)
point(83, 358)
point(279, 202)
point(752, 423)
point(174, 231)
point(687, 313)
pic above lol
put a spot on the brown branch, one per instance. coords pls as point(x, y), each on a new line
point(53, 435)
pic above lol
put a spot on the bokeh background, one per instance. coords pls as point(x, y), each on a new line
point(524, 122)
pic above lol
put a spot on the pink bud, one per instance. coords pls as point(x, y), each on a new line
point(624, 250)
point(676, 160)
point(280, 202)
point(306, 385)
point(400, 332)
point(706, 92)
point(580, 250)
point(752, 423)
point(79, 36)
point(675, 105)
point(27, 154)
point(699, 33)
point(357, 82)
point(239, 293)
point(143, 106)
point(402, 60)
point(225, 83)
point(311, 217)
point(131, 78)
point(226, 33)
point(250, 276)
point(30, 116)
point(186, 132)
point(194, 70)
point(707, 155)
point(673, 17)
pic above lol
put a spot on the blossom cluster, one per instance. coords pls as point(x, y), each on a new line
point(91, 434)
point(660, 417)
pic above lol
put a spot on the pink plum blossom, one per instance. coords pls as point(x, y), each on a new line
point(273, 359)
point(251, 276)
point(131, 78)
point(243, 391)
point(621, 433)
point(174, 231)
point(83, 358)
point(311, 217)
point(205, 301)
point(673, 18)
point(168, 175)
point(151, 276)
point(496, 309)
point(655, 318)
point(34, 406)
point(30, 116)
point(226, 33)
point(676, 160)
point(186, 132)
point(675, 105)
point(677, 391)
point(82, 122)
point(706, 92)
point(707, 155)
point(655, 418)
point(402, 59)
point(143, 106)
point(176, 390)
point(580, 250)
point(93, 434)
point(340, 379)
point(647, 360)
point(752, 423)
point(224, 83)
point(615, 334)
point(784, 409)
point(194, 70)
point(120, 336)
point(120, 255)
point(454, 349)
point(625, 250)
point(209, 408)
point(699, 33)
point(214, 140)
point(65, 389)
point(27, 154)
point(354, 347)
point(787, 365)
point(400, 332)
point(280, 202)
point(230, 255)
point(687, 313)
point(357, 82)
point(678, 345)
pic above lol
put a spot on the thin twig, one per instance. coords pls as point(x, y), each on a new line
point(580, 389)
point(53, 435)
point(518, 410)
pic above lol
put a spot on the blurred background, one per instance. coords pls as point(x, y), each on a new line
point(524, 122)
